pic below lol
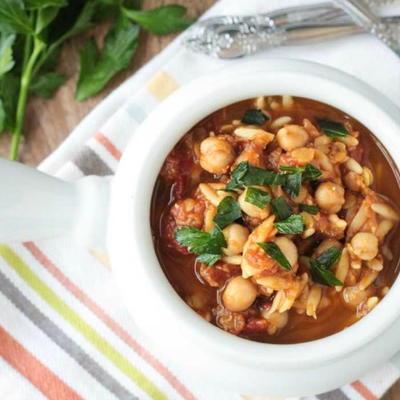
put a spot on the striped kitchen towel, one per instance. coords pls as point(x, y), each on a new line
point(64, 334)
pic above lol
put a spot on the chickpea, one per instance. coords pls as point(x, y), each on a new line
point(236, 236)
point(302, 155)
point(288, 248)
point(276, 320)
point(292, 136)
point(330, 197)
point(353, 181)
point(216, 155)
point(239, 294)
point(354, 296)
point(252, 210)
point(365, 245)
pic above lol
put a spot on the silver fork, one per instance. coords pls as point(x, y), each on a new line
point(372, 23)
point(237, 36)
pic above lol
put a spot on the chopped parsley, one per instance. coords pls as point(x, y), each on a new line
point(332, 129)
point(281, 208)
point(291, 225)
point(311, 209)
point(273, 250)
point(254, 117)
point(259, 198)
point(228, 211)
point(320, 267)
point(206, 245)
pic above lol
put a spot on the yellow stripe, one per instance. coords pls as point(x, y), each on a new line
point(54, 301)
point(101, 257)
point(161, 85)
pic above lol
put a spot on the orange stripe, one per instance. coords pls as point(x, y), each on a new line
point(108, 145)
point(33, 370)
point(113, 325)
point(363, 390)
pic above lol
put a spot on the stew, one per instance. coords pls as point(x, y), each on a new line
point(274, 218)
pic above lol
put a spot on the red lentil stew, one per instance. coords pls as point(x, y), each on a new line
point(274, 219)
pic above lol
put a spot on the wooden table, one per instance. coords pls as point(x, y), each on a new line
point(50, 121)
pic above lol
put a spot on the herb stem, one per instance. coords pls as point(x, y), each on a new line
point(26, 77)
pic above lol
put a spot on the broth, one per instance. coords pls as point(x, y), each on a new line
point(182, 270)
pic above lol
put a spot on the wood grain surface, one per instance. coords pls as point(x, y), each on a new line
point(49, 122)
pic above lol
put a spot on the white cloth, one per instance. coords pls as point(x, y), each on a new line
point(88, 339)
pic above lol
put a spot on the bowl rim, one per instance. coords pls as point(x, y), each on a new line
point(134, 182)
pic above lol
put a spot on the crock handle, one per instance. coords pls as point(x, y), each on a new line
point(34, 205)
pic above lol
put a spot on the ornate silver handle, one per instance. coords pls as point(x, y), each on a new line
point(238, 36)
point(372, 23)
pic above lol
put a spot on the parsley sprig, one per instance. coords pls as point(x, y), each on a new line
point(208, 246)
point(291, 225)
point(247, 175)
point(32, 33)
point(311, 209)
point(281, 208)
point(254, 117)
point(320, 267)
point(258, 197)
point(273, 250)
point(332, 129)
point(291, 178)
point(228, 211)
point(296, 175)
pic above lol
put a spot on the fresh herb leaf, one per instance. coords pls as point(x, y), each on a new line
point(281, 208)
point(309, 208)
point(200, 242)
point(81, 17)
point(237, 176)
point(37, 4)
point(273, 250)
point(320, 268)
point(207, 245)
point(13, 17)
point(292, 184)
point(323, 276)
point(291, 225)
point(3, 116)
point(311, 173)
point(45, 17)
point(329, 257)
point(9, 89)
point(120, 44)
point(254, 117)
point(209, 259)
point(228, 211)
point(247, 175)
point(332, 129)
point(45, 85)
point(6, 53)
point(28, 61)
point(88, 58)
point(291, 169)
point(259, 198)
point(161, 20)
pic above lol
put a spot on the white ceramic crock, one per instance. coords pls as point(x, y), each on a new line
point(35, 206)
